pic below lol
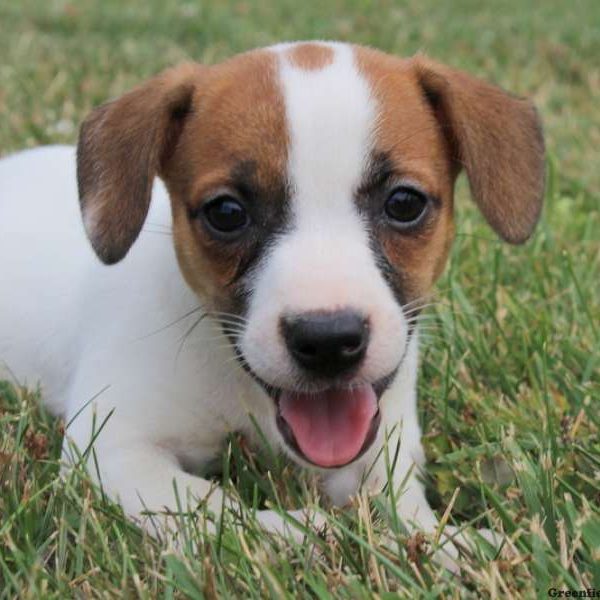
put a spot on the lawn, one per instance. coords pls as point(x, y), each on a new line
point(510, 379)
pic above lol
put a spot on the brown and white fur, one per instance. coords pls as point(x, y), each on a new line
point(312, 138)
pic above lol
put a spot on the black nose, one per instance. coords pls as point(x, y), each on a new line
point(326, 343)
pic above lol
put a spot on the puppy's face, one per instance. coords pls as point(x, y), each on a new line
point(311, 187)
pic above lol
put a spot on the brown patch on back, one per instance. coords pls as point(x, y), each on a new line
point(408, 133)
point(310, 57)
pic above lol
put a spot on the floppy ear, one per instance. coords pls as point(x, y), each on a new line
point(498, 140)
point(122, 146)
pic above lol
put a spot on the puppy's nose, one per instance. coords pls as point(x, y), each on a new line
point(326, 343)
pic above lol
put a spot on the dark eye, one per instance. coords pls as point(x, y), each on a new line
point(406, 206)
point(225, 214)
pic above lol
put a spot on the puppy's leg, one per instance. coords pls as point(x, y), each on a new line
point(149, 483)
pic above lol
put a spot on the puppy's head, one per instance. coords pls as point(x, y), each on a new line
point(312, 198)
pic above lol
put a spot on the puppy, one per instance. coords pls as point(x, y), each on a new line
point(309, 191)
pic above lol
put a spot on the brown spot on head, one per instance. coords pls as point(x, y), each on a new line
point(408, 137)
point(236, 143)
point(310, 56)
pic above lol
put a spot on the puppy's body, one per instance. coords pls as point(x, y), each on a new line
point(310, 272)
point(120, 337)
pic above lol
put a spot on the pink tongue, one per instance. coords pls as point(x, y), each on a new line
point(330, 427)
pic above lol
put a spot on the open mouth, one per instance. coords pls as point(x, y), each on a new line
point(332, 427)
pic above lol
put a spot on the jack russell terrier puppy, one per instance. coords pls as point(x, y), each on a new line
point(308, 188)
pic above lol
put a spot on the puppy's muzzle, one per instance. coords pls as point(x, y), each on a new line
point(326, 344)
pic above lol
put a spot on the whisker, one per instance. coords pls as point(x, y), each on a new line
point(187, 334)
point(416, 301)
point(233, 327)
point(185, 316)
point(416, 309)
point(418, 317)
point(232, 316)
point(167, 233)
point(225, 321)
point(154, 224)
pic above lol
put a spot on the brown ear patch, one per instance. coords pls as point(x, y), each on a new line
point(497, 138)
point(122, 146)
point(310, 57)
point(433, 121)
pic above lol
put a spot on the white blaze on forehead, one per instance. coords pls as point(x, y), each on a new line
point(330, 114)
point(323, 260)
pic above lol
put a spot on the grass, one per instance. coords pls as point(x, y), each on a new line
point(510, 381)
